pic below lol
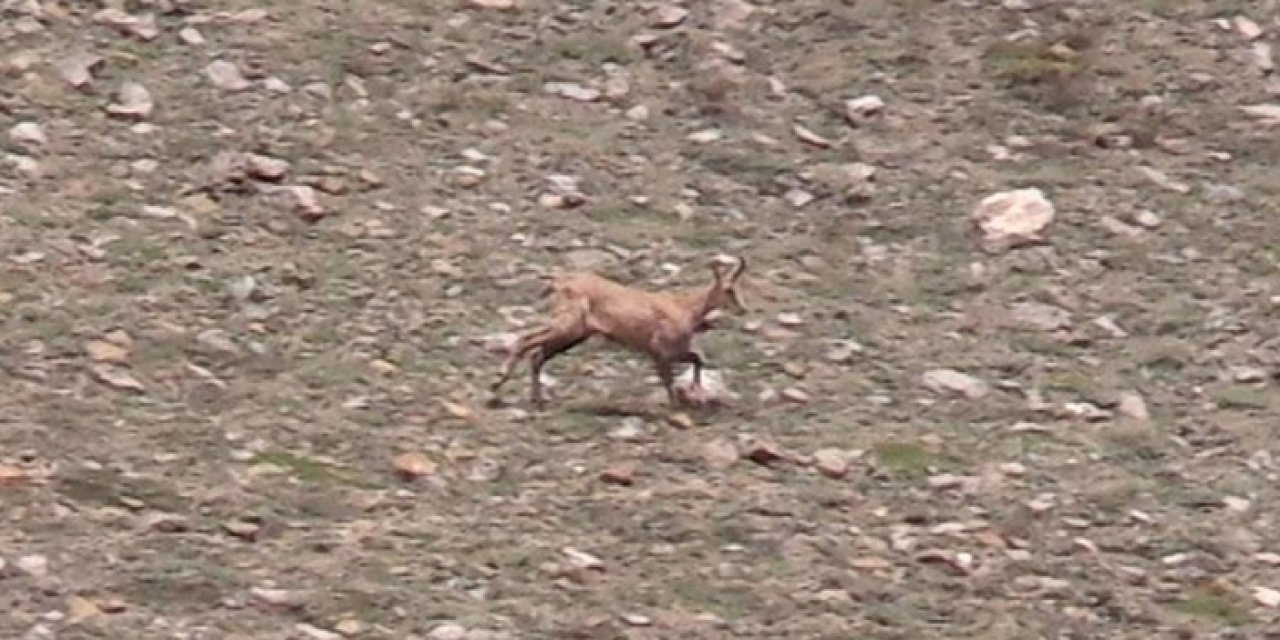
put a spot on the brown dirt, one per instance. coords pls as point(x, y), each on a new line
point(278, 415)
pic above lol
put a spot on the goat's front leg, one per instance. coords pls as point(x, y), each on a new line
point(666, 373)
point(694, 358)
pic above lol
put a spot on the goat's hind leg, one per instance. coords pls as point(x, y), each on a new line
point(555, 345)
point(524, 344)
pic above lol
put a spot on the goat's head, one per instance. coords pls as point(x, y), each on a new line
point(724, 289)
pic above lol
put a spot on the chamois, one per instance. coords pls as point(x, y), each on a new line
point(659, 324)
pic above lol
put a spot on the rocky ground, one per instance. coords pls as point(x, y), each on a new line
point(255, 257)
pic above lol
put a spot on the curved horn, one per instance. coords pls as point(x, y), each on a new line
point(717, 269)
point(742, 266)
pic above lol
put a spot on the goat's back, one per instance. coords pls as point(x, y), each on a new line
point(627, 315)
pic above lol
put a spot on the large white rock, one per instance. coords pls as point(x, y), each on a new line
point(1013, 218)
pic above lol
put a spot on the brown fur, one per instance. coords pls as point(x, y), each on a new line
point(659, 324)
